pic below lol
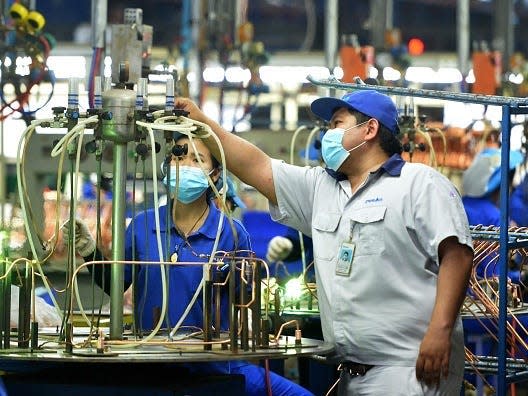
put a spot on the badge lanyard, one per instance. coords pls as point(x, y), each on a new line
point(346, 254)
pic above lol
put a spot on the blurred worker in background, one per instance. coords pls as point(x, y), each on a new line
point(192, 231)
point(481, 185)
point(287, 248)
point(392, 309)
point(519, 203)
point(481, 199)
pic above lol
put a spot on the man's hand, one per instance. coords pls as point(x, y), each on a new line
point(433, 359)
point(278, 249)
point(189, 106)
point(84, 242)
point(456, 261)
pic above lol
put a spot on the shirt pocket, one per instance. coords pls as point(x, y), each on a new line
point(325, 237)
point(368, 232)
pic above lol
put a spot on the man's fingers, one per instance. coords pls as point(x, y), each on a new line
point(429, 372)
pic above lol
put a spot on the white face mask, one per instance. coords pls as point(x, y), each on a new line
point(332, 148)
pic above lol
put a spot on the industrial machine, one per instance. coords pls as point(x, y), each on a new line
point(129, 139)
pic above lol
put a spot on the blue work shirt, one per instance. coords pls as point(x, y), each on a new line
point(481, 211)
point(519, 204)
point(182, 280)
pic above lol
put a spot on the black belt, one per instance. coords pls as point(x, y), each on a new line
point(354, 369)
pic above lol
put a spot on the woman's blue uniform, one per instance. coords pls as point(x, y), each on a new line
point(141, 245)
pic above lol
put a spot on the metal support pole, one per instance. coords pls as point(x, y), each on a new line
point(244, 333)
point(256, 309)
point(331, 33)
point(519, 104)
point(118, 241)
point(3, 185)
point(5, 293)
point(99, 17)
point(503, 247)
point(217, 306)
point(379, 11)
point(463, 29)
point(207, 312)
point(24, 309)
point(389, 15)
point(186, 43)
point(503, 39)
point(233, 326)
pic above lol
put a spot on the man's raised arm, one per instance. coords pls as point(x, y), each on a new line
point(245, 160)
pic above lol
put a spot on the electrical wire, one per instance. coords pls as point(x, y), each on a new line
point(309, 140)
point(293, 140)
point(481, 303)
point(311, 135)
point(58, 149)
point(187, 128)
point(193, 130)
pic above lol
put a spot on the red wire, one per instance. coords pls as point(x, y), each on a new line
point(46, 45)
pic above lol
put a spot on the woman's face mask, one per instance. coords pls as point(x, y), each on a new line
point(332, 147)
point(192, 183)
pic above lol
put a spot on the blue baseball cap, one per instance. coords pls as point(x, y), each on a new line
point(483, 175)
point(369, 102)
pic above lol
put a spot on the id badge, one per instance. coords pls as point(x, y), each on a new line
point(344, 259)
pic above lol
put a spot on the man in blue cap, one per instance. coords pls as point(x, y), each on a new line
point(481, 193)
point(391, 309)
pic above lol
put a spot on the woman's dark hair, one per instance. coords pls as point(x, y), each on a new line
point(388, 141)
point(214, 161)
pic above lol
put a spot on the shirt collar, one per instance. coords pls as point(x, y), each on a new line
point(392, 166)
point(208, 228)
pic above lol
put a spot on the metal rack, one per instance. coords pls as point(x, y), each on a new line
point(510, 106)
